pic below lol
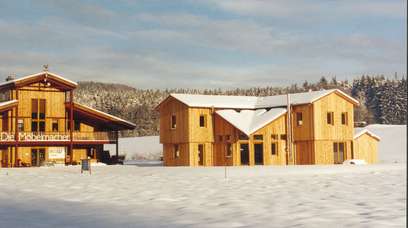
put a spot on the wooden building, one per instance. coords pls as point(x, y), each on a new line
point(365, 146)
point(41, 123)
point(206, 130)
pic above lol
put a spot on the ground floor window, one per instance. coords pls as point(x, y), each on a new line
point(228, 150)
point(176, 151)
point(274, 148)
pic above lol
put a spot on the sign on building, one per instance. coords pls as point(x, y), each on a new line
point(56, 153)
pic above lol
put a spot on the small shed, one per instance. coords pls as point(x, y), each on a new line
point(365, 146)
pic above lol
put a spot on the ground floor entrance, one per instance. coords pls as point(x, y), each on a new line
point(258, 149)
point(37, 156)
point(244, 148)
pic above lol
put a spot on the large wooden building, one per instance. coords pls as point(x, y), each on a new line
point(41, 123)
point(206, 130)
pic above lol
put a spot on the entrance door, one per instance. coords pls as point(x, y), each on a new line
point(37, 157)
point(338, 152)
point(200, 154)
point(258, 154)
point(244, 154)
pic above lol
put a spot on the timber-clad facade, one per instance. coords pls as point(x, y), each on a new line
point(204, 130)
point(41, 123)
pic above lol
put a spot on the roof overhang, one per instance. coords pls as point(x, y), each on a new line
point(7, 105)
point(366, 131)
point(44, 76)
point(115, 122)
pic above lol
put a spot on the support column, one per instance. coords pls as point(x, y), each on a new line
point(117, 145)
point(16, 138)
point(71, 125)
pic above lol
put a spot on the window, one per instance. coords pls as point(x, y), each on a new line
point(220, 138)
point(274, 148)
point(228, 149)
point(283, 137)
point(344, 118)
point(274, 137)
point(38, 115)
point(299, 119)
point(258, 137)
point(330, 118)
point(20, 125)
point(54, 125)
point(228, 137)
point(203, 121)
point(77, 126)
point(176, 151)
point(243, 136)
point(173, 121)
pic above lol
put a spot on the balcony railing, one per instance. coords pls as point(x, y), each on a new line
point(57, 136)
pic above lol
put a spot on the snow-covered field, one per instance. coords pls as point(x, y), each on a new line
point(132, 196)
point(262, 196)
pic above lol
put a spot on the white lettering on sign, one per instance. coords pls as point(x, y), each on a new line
point(29, 136)
point(56, 152)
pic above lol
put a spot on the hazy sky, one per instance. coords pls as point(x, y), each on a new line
point(203, 44)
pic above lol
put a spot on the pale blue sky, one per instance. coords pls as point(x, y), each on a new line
point(203, 44)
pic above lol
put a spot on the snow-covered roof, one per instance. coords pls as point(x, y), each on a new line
point(251, 102)
point(216, 101)
point(32, 76)
point(249, 121)
point(7, 104)
point(362, 131)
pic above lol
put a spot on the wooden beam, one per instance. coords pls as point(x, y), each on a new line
point(71, 124)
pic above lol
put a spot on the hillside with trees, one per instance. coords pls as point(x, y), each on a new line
point(382, 100)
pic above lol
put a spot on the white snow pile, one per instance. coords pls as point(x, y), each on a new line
point(392, 147)
point(354, 162)
point(138, 148)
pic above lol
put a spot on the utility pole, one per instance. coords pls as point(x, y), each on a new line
point(289, 129)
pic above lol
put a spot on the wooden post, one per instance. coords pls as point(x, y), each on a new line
point(71, 125)
point(289, 129)
point(117, 145)
point(16, 139)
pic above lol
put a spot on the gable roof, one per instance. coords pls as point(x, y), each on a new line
point(7, 105)
point(360, 132)
point(44, 75)
point(249, 121)
point(252, 102)
point(118, 122)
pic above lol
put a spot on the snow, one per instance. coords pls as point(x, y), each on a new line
point(251, 102)
point(262, 196)
point(360, 131)
point(355, 162)
point(138, 148)
point(249, 121)
point(393, 144)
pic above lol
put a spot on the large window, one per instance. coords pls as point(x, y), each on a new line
point(299, 119)
point(344, 118)
point(203, 121)
point(228, 149)
point(173, 121)
point(38, 115)
point(330, 118)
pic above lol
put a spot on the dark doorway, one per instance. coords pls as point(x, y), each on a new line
point(244, 154)
point(200, 154)
point(37, 157)
point(258, 154)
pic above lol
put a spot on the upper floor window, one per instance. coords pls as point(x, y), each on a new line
point(55, 125)
point(243, 136)
point(274, 137)
point(274, 148)
point(330, 118)
point(228, 137)
point(344, 118)
point(38, 115)
point(173, 121)
point(20, 125)
point(299, 119)
point(203, 121)
point(258, 137)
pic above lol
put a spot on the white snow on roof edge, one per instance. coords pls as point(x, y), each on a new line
point(362, 132)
